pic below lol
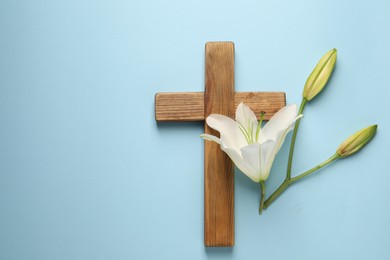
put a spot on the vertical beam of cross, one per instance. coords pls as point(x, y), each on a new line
point(219, 97)
point(218, 174)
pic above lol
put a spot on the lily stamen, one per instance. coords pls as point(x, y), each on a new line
point(262, 113)
point(245, 133)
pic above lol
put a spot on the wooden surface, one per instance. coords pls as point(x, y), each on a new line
point(182, 106)
point(189, 106)
point(219, 175)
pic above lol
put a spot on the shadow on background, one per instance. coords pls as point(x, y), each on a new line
point(219, 252)
point(169, 126)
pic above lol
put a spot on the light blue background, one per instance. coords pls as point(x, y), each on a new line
point(87, 173)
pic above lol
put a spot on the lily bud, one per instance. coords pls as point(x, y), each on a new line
point(356, 141)
point(320, 75)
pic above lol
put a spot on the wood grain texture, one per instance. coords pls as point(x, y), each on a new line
point(268, 102)
point(181, 106)
point(219, 174)
point(189, 106)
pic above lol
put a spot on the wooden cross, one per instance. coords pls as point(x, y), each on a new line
point(219, 97)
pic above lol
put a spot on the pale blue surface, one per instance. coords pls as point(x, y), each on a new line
point(86, 173)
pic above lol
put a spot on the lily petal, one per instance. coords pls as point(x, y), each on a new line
point(247, 119)
point(268, 151)
point(260, 157)
point(212, 138)
point(251, 156)
point(235, 157)
point(272, 150)
point(267, 157)
point(229, 130)
point(244, 167)
point(283, 119)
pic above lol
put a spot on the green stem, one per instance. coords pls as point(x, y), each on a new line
point(290, 181)
point(276, 193)
point(300, 176)
point(262, 185)
point(292, 145)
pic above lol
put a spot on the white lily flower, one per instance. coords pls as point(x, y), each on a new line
point(252, 148)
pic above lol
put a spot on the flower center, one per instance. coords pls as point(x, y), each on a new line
point(248, 131)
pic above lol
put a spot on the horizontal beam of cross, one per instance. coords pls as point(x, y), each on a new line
point(189, 106)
